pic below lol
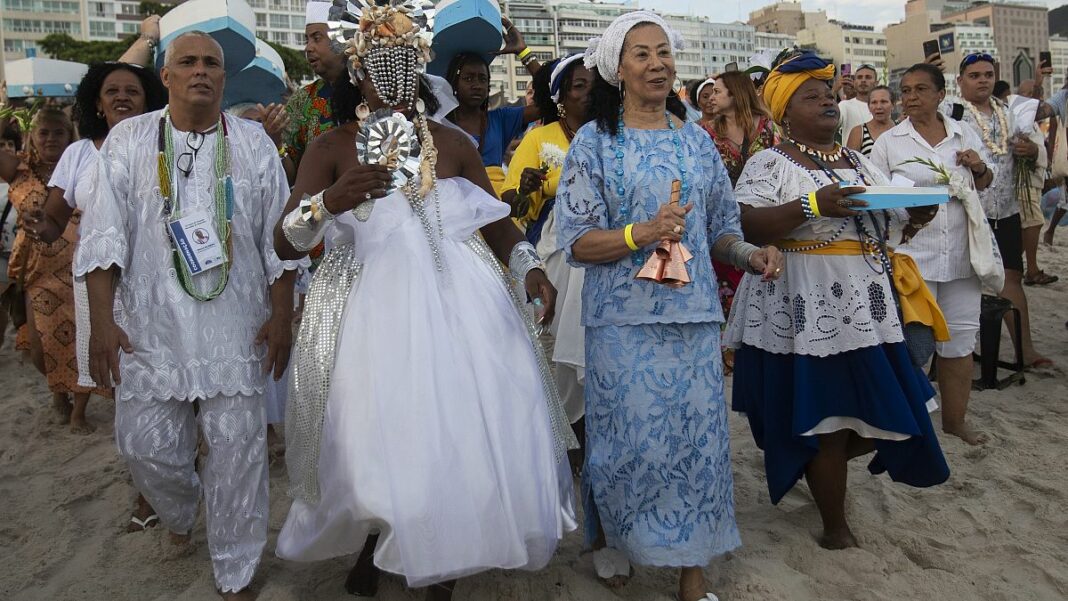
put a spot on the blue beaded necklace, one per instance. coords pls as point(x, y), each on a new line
point(621, 189)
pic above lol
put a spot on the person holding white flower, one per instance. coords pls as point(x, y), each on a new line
point(954, 251)
point(530, 188)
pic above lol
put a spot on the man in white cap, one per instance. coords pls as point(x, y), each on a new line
point(309, 109)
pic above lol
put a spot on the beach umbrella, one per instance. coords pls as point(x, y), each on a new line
point(231, 22)
point(465, 26)
point(43, 77)
point(262, 80)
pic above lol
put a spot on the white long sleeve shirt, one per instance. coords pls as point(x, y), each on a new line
point(184, 348)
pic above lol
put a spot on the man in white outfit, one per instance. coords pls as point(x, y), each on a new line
point(855, 111)
point(179, 216)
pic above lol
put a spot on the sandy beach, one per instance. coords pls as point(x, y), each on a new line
point(998, 530)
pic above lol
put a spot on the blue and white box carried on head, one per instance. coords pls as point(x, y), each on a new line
point(465, 26)
point(43, 78)
point(262, 81)
point(231, 23)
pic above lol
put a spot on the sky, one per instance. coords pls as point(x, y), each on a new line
point(861, 12)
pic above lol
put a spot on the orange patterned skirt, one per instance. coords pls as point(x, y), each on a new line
point(49, 283)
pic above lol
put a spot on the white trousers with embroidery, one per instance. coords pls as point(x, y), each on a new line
point(158, 440)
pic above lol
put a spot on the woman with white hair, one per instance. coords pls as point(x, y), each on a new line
point(657, 485)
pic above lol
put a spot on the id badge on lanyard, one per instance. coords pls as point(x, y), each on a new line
point(195, 238)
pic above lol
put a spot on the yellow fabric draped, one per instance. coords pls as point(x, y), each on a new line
point(496, 176)
point(779, 87)
point(918, 305)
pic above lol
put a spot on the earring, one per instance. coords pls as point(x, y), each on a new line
point(786, 126)
point(99, 115)
point(560, 110)
point(363, 111)
point(676, 92)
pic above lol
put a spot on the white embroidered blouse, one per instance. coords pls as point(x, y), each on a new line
point(823, 304)
point(183, 348)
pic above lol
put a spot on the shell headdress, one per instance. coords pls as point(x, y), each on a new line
point(390, 40)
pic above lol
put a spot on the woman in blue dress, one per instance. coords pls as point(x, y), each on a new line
point(657, 485)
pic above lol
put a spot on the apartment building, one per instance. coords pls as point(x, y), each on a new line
point(1058, 48)
point(1021, 31)
point(764, 41)
point(782, 17)
point(845, 43)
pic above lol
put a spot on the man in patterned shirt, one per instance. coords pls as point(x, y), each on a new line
point(309, 109)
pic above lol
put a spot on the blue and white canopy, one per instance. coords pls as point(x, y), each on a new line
point(43, 77)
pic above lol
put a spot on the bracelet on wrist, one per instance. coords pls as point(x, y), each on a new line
point(806, 209)
point(524, 53)
point(628, 237)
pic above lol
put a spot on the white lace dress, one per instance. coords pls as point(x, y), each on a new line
point(822, 305)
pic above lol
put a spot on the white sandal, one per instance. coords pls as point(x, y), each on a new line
point(146, 523)
point(707, 597)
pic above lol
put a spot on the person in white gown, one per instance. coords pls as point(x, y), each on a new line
point(421, 409)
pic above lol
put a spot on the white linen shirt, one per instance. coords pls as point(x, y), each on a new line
point(183, 348)
point(74, 168)
point(941, 249)
point(999, 198)
point(852, 113)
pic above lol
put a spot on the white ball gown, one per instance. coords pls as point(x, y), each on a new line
point(436, 431)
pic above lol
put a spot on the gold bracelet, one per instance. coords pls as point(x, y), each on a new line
point(628, 237)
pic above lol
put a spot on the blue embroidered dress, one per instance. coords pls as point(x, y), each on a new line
point(657, 471)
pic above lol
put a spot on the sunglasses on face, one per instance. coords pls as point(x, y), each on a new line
point(976, 57)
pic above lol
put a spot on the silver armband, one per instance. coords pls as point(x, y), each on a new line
point(739, 253)
point(523, 259)
point(305, 225)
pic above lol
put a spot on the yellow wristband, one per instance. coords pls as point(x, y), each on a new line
point(628, 236)
point(523, 53)
point(813, 205)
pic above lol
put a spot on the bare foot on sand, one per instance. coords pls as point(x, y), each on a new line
point(838, 539)
point(966, 433)
point(79, 425)
point(241, 595)
point(61, 408)
point(145, 515)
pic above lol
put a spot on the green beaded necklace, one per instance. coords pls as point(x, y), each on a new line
point(224, 202)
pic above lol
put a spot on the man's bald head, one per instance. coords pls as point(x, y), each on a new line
point(178, 44)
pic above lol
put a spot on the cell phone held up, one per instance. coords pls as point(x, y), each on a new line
point(1045, 60)
point(930, 48)
point(847, 69)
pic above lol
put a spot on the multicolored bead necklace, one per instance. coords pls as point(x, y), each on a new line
point(224, 202)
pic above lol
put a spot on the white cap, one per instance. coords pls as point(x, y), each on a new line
point(317, 11)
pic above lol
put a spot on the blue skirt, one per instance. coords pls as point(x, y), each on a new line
point(658, 475)
point(785, 395)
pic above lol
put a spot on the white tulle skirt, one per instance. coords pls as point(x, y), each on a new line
point(436, 432)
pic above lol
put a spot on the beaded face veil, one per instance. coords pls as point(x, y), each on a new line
point(389, 40)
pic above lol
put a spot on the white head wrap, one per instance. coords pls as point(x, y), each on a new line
point(603, 52)
point(708, 82)
point(317, 12)
point(558, 72)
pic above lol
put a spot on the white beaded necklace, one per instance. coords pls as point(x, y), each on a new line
point(998, 147)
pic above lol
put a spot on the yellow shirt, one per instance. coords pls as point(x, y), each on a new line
point(529, 155)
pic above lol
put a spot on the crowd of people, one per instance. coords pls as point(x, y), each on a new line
point(538, 298)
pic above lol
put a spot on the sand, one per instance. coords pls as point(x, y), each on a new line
point(997, 530)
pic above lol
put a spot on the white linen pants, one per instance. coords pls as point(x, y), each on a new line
point(158, 440)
